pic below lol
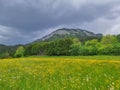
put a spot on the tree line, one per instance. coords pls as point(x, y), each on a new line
point(107, 45)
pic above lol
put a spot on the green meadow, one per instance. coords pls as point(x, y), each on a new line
point(60, 73)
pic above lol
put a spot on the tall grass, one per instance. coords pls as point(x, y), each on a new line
point(60, 73)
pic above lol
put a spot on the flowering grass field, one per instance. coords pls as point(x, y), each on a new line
point(60, 73)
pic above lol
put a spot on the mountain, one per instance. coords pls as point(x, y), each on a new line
point(8, 49)
point(83, 35)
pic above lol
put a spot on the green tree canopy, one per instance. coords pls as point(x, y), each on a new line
point(76, 41)
point(118, 37)
point(109, 39)
point(93, 42)
point(20, 52)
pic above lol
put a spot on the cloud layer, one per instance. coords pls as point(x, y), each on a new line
point(23, 21)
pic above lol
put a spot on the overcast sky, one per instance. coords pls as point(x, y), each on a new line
point(23, 21)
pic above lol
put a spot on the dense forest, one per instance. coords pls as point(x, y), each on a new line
point(106, 45)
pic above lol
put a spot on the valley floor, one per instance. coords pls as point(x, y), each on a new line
point(60, 73)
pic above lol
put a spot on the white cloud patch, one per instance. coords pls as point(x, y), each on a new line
point(8, 31)
point(104, 25)
point(13, 36)
point(115, 29)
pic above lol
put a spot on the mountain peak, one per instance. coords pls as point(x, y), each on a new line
point(69, 33)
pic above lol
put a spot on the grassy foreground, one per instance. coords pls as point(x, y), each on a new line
point(60, 73)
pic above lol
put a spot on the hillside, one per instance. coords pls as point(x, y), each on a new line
point(7, 49)
point(83, 35)
point(66, 42)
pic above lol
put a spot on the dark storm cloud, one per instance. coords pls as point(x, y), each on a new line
point(35, 18)
point(25, 20)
